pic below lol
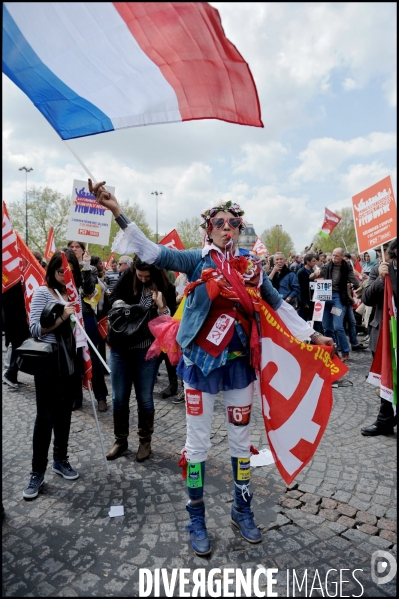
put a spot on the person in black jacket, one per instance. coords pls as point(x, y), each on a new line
point(146, 285)
point(306, 274)
point(373, 295)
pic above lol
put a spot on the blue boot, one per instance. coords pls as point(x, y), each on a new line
point(198, 534)
point(242, 515)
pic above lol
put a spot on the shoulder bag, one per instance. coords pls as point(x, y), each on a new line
point(35, 356)
point(128, 325)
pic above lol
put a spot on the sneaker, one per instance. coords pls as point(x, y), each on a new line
point(102, 405)
point(179, 398)
point(32, 489)
point(7, 381)
point(243, 518)
point(359, 347)
point(169, 391)
point(199, 539)
point(344, 357)
point(64, 468)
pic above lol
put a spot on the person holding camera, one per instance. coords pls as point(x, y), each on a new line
point(285, 281)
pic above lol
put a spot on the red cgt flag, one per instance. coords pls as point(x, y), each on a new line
point(79, 337)
point(295, 408)
point(259, 247)
point(50, 245)
point(173, 241)
point(331, 220)
point(11, 273)
point(32, 273)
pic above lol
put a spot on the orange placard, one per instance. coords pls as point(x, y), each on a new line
point(374, 213)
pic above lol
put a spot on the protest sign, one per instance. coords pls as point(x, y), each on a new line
point(318, 311)
point(374, 213)
point(323, 290)
point(88, 221)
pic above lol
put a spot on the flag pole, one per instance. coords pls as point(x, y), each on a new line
point(89, 388)
point(91, 342)
point(82, 164)
point(382, 253)
point(344, 243)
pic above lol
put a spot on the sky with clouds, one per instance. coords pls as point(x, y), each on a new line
point(326, 79)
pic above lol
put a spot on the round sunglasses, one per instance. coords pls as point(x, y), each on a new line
point(219, 222)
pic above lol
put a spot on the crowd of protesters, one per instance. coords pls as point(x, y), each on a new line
point(145, 276)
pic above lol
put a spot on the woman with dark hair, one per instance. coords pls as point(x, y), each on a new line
point(91, 295)
point(150, 287)
point(285, 281)
point(57, 385)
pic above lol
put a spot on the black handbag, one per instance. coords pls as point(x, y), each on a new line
point(128, 325)
point(35, 356)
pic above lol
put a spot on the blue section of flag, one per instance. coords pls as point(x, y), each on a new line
point(69, 114)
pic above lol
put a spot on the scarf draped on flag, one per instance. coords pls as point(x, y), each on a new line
point(331, 220)
point(11, 273)
point(383, 371)
point(80, 339)
point(92, 67)
point(32, 273)
point(50, 245)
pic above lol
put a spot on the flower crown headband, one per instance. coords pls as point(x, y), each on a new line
point(235, 209)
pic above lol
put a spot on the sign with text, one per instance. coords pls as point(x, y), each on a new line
point(323, 290)
point(374, 213)
point(88, 221)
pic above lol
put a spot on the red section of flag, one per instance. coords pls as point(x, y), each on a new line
point(259, 247)
point(32, 273)
point(172, 240)
point(80, 339)
point(103, 327)
point(295, 408)
point(107, 263)
point(331, 220)
point(178, 35)
point(50, 245)
point(11, 273)
point(381, 371)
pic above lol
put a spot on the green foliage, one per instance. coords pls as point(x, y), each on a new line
point(134, 213)
point(188, 232)
point(46, 208)
point(276, 237)
point(343, 232)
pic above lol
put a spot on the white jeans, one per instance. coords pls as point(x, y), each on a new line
point(199, 412)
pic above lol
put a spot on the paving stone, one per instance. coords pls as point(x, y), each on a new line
point(368, 529)
point(346, 521)
point(338, 528)
point(329, 514)
point(358, 504)
point(310, 508)
point(377, 510)
point(387, 524)
point(346, 510)
point(381, 542)
point(328, 504)
point(342, 496)
point(311, 498)
point(388, 535)
point(355, 535)
point(305, 488)
point(366, 518)
point(294, 494)
point(290, 503)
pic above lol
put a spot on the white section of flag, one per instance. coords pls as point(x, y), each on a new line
point(259, 247)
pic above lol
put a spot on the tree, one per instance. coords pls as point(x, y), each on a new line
point(344, 233)
point(189, 233)
point(134, 213)
point(276, 237)
point(46, 208)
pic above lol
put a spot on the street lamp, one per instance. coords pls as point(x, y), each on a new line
point(27, 170)
point(156, 193)
point(279, 227)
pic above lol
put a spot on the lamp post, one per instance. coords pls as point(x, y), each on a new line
point(279, 227)
point(156, 193)
point(27, 170)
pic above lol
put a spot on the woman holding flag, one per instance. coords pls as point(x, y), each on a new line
point(57, 386)
point(219, 338)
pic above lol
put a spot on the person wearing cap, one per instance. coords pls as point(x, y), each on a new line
point(218, 308)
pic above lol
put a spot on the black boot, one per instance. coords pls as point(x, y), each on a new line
point(145, 430)
point(121, 432)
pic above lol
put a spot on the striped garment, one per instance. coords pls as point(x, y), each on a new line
point(146, 302)
point(41, 297)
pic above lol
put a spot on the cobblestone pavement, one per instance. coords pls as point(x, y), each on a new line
point(336, 514)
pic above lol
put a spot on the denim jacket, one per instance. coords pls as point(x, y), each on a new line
point(198, 302)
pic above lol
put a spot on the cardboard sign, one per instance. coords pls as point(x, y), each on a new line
point(88, 221)
point(323, 290)
point(318, 311)
point(374, 213)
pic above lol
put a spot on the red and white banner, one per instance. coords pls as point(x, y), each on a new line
point(107, 263)
point(259, 247)
point(80, 339)
point(172, 241)
point(331, 220)
point(296, 393)
point(318, 311)
point(32, 273)
point(11, 273)
point(50, 245)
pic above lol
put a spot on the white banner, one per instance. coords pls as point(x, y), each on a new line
point(88, 221)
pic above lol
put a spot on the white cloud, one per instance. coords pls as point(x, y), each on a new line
point(360, 176)
point(349, 84)
point(260, 160)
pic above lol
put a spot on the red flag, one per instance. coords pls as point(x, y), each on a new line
point(80, 339)
point(295, 408)
point(384, 368)
point(331, 220)
point(32, 273)
point(50, 245)
point(103, 327)
point(11, 273)
point(173, 241)
point(108, 262)
point(259, 247)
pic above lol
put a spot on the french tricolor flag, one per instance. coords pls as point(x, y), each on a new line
point(101, 66)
